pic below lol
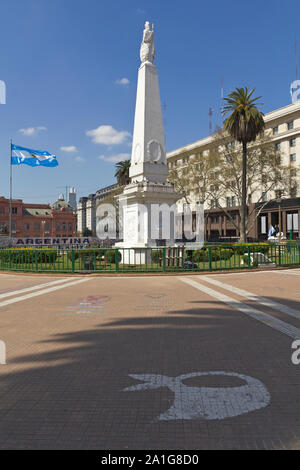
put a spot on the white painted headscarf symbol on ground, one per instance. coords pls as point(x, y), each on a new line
point(206, 402)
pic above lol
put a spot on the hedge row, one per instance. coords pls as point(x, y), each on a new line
point(95, 254)
point(223, 252)
point(27, 256)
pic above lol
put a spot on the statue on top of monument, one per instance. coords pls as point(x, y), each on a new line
point(147, 50)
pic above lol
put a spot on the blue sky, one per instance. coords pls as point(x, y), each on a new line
point(63, 62)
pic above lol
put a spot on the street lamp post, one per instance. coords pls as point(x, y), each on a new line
point(43, 228)
point(279, 212)
point(279, 200)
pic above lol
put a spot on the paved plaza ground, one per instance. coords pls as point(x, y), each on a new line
point(118, 362)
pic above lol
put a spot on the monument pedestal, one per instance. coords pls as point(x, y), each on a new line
point(148, 213)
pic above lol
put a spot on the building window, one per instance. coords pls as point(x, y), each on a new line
point(275, 130)
point(70, 227)
point(228, 202)
point(264, 197)
point(47, 227)
point(263, 224)
point(293, 191)
point(14, 210)
point(293, 157)
point(293, 143)
point(290, 125)
point(250, 199)
point(26, 226)
point(64, 226)
point(13, 225)
point(58, 226)
point(277, 146)
point(36, 226)
point(233, 201)
point(292, 222)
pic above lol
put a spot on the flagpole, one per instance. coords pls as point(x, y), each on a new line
point(10, 192)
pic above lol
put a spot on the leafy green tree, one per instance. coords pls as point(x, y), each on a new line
point(244, 123)
point(214, 178)
point(87, 233)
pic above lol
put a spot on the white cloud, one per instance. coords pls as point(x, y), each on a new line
point(123, 81)
point(115, 158)
point(79, 159)
point(32, 130)
point(107, 135)
point(70, 148)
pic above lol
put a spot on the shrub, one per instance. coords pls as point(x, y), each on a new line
point(87, 253)
point(254, 248)
point(226, 253)
point(110, 256)
point(156, 255)
point(28, 256)
point(253, 263)
point(202, 255)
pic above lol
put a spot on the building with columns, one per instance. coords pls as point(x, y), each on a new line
point(283, 126)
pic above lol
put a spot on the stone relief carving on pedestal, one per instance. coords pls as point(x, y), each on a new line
point(154, 151)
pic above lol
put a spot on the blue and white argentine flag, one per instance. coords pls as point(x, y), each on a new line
point(23, 155)
point(271, 231)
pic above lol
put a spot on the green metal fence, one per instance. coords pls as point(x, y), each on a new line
point(164, 259)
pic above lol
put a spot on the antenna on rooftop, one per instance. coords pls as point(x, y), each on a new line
point(296, 60)
point(222, 97)
point(210, 115)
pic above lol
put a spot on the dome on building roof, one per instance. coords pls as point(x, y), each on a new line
point(62, 204)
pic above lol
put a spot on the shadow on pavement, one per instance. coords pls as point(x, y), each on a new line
point(72, 397)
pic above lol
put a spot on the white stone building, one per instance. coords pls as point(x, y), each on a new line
point(87, 206)
point(283, 125)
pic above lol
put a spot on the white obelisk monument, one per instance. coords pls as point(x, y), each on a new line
point(142, 223)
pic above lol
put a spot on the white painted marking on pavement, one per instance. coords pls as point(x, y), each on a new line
point(289, 272)
point(256, 298)
point(28, 289)
point(2, 353)
point(252, 312)
point(206, 402)
point(41, 292)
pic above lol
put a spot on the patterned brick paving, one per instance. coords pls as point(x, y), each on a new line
point(72, 352)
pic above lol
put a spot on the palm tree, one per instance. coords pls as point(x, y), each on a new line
point(122, 172)
point(244, 123)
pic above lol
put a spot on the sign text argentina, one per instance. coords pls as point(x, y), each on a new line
point(52, 241)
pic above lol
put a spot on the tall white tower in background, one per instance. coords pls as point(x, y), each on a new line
point(148, 170)
point(72, 198)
